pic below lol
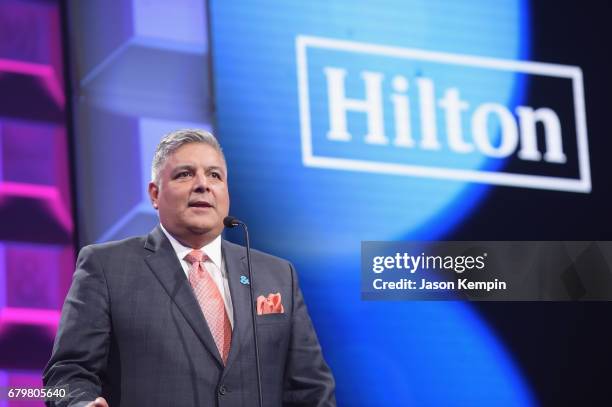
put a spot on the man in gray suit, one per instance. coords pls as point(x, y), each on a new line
point(165, 320)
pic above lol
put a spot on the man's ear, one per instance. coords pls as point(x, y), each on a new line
point(153, 193)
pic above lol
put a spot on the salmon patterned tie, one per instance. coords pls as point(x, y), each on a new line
point(210, 300)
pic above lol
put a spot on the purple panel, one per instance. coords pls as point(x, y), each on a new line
point(90, 32)
point(34, 214)
point(31, 84)
point(34, 189)
point(25, 30)
point(30, 91)
point(33, 276)
point(26, 154)
point(26, 337)
point(37, 154)
point(109, 192)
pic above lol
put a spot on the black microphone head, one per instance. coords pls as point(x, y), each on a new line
point(231, 222)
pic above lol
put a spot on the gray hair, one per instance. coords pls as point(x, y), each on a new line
point(176, 139)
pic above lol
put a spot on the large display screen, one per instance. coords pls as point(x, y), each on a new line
point(347, 121)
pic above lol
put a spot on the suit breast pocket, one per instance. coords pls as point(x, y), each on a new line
point(273, 332)
point(272, 319)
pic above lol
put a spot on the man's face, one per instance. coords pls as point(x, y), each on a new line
point(191, 194)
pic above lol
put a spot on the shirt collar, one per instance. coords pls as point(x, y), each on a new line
point(212, 249)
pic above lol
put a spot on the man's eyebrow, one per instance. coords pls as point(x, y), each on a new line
point(215, 167)
point(182, 167)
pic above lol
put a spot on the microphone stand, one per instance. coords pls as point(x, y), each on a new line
point(231, 222)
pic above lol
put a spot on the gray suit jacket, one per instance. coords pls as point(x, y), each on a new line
point(132, 331)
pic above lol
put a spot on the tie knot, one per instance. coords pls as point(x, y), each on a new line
point(195, 256)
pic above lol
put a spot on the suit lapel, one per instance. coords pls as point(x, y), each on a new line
point(166, 267)
point(235, 264)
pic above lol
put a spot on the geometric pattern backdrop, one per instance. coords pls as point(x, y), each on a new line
point(36, 236)
point(131, 84)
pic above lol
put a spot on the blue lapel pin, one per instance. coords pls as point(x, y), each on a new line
point(244, 280)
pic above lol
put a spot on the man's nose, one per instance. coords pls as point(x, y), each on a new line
point(200, 183)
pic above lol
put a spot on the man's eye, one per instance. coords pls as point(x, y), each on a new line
point(216, 175)
point(182, 174)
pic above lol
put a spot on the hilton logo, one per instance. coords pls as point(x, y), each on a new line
point(402, 111)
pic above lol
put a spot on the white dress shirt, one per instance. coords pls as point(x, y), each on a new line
point(218, 274)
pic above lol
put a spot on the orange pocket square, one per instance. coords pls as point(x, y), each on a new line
point(270, 305)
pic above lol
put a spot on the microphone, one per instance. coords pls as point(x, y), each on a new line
point(232, 222)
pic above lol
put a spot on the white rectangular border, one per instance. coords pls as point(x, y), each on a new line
point(583, 184)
